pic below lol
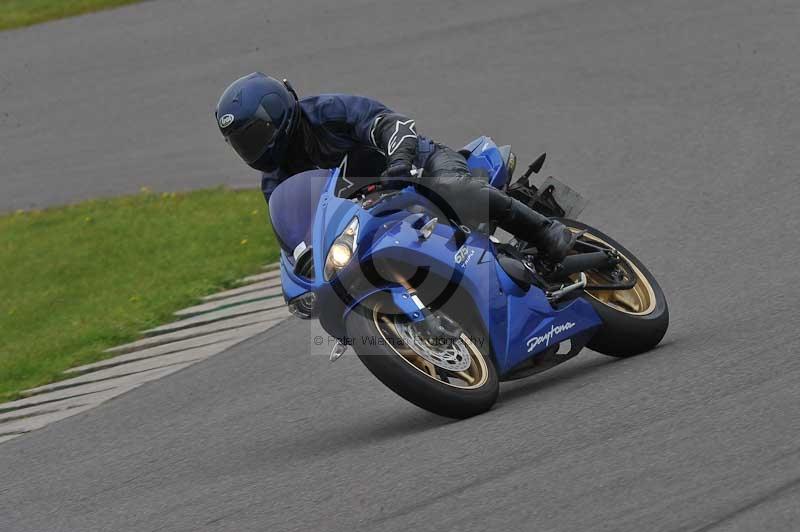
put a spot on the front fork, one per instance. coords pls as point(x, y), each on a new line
point(408, 304)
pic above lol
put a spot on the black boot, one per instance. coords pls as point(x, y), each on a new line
point(551, 237)
point(470, 199)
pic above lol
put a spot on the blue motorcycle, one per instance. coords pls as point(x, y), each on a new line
point(440, 312)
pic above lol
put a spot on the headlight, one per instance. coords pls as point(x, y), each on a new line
point(342, 249)
point(340, 255)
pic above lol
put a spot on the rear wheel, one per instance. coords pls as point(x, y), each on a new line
point(634, 320)
point(452, 377)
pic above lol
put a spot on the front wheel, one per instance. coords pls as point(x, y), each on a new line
point(452, 377)
point(634, 320)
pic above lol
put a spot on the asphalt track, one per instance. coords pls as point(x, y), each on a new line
point(680, 120)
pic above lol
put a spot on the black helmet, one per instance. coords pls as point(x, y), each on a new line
point(257, 114)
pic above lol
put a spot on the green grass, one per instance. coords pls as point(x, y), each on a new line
point(17, 13)
point(79, 279)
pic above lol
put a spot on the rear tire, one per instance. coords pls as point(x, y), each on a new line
point(411, 382)
point(626, 333)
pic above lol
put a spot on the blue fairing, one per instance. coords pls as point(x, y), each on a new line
point(485, 156)
point(510, 315)
point(520, 323)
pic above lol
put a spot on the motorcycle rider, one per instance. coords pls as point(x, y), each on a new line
point(279, 134)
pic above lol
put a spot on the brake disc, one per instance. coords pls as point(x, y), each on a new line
point(446, 353)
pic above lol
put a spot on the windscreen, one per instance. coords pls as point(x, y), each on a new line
point(292, 207)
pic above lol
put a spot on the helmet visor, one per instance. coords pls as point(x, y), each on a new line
point(253, 140)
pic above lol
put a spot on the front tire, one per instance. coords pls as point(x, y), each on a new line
point(635, 320)
point(418, 379)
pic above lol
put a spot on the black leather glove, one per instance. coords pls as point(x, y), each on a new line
point(396, 136)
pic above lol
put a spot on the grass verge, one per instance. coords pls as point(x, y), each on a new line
point(18, 13)
point(76, 280)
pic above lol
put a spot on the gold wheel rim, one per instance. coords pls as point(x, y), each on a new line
point(637, 301)
point(473, 377)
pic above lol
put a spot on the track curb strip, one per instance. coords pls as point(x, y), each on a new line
point(217, 323)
